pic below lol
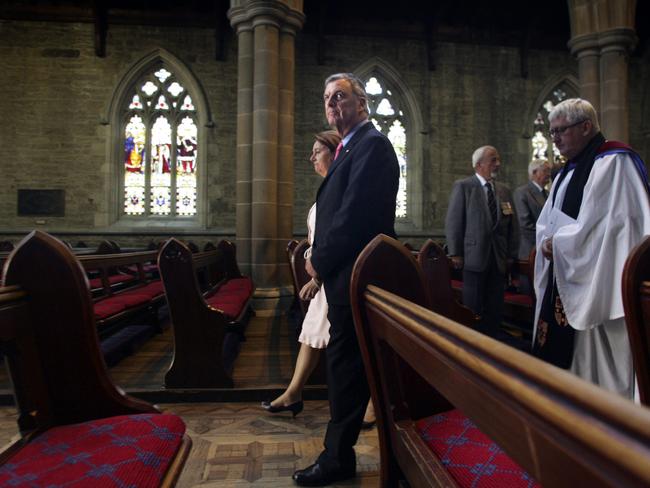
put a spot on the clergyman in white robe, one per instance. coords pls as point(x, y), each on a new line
point(588, 258)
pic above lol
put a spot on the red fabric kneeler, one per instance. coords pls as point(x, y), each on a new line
point(470, 456)
point(230, 305)
point(518, 298)
point(127, 450)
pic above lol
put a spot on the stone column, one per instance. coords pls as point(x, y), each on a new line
point(266, 31)
point(615, 46)
point(585, 48)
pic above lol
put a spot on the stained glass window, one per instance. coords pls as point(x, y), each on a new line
point(541, 143)
point(160, 148)
point(387, 117)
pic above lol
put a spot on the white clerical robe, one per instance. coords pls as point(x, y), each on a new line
point(588, 258)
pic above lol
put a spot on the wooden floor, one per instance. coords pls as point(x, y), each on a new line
point(237, 444)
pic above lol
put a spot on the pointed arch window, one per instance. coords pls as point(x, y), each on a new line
point(542, 146)
point(388, 117)
point(159, 141)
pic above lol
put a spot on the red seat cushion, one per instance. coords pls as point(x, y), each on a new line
point(152, 290)
point(244, 285)
point(230, 305)
point(107, 308)
point(131, 299)
point(457, 284)
point(518, 298)
point(470, 456)
point(126, 450)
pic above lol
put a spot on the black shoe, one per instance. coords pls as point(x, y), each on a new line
point(368, 425)
point(317, 475)
point(294, 408)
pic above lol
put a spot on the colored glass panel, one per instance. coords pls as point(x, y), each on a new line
point(542, 146)
point(161, 148)
point(186, 152)
point(161, 180)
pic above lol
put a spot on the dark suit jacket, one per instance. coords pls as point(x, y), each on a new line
point(528, 204)
point(355, 202)
point(469, 228)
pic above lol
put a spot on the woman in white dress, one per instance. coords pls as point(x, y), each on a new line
point(315, 327)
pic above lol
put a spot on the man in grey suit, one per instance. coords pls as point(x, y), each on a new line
point(529, 200)
point(482, 237)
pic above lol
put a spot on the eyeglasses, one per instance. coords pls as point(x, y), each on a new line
point(561, 130)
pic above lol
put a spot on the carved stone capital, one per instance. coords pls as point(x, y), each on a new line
point(286, 15)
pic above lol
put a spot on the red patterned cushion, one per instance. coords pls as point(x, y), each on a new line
point(152, 290)
point(122, 451)
point(106, 308)
point(470, 456)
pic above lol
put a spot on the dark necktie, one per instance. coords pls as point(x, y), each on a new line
point(544, 193)
point(338, 150)
point(492, 203)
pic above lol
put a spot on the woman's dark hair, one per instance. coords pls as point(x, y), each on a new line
point(329, 138)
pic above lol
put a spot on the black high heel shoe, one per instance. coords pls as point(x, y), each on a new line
point(294, 408)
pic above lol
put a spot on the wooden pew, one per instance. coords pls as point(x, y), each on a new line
point(123, 290)
point(558, 428)
point(436, 267)
point(208, 322)
point(61, 386)
point(636, 303)
point(298, 273)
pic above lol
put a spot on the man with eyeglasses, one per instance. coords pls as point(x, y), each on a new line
point(355, 202)
point(597, 211)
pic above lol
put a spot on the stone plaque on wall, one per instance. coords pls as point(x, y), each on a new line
point(41, 203)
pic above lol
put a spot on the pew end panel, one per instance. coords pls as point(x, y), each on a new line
point(385, 260)
point(560, 429)
point(206, 339)
point(298, 273)
point(78, 387)
point(436, 267)
point(636, 303)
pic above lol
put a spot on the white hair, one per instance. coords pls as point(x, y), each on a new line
point(478, 154)
point(575, 110)
point(534, 165)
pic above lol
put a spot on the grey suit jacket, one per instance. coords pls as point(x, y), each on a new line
point(469, 229)
point(528, 204)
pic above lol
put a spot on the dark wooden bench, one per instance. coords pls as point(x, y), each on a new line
point(209, 304)
point(76, 426)
point(636, 302)
point(490, 414)
point(123, 291)
point(296, 252)
point(436, 267)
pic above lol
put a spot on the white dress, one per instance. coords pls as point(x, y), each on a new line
point(588, 258)
point(315, 327)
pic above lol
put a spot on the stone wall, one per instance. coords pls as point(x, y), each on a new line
point(55, 92)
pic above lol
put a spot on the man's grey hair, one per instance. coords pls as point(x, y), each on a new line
point(358, 87)
point(534, 165)
point(575, 110)
point(478, 154)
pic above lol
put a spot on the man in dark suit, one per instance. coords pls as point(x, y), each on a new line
point(355, 202)
point(482, 237)
point(529, 200)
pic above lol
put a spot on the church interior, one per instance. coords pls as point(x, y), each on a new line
point(153, 225)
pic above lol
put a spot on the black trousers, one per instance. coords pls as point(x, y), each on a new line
point(483, 294)
point(348, 390)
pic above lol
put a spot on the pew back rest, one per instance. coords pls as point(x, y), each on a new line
point(636, 303)
point(436, 267)
point(562, 430)
point(57, 371)
point(109, 264)
point(298, 273)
